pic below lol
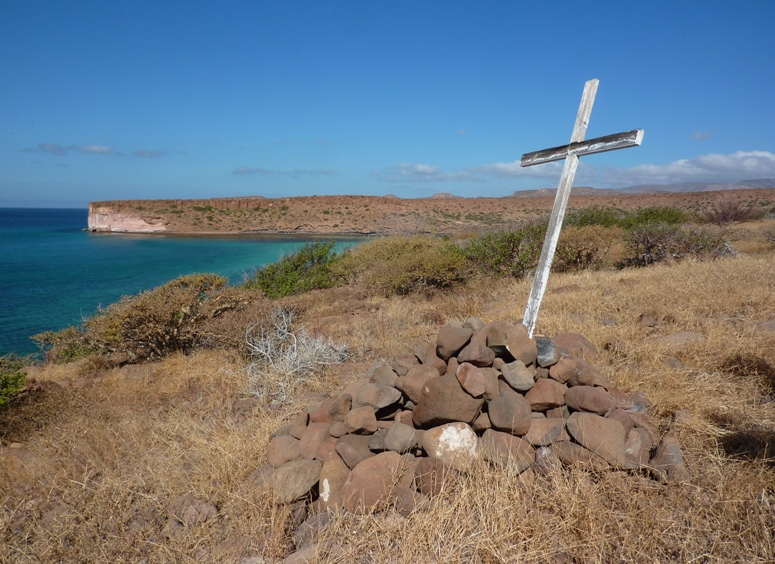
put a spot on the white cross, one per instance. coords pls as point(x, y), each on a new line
point(571, 153)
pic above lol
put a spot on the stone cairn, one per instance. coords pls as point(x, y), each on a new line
point(480, 391)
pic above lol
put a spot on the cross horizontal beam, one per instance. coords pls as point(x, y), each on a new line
point(598, 145)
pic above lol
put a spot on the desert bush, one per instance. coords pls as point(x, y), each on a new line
point(668, 215)
point(308, 268)
point(727, 212)
point(150, 325)
point(585, 247)
point(660, 242)
point(403, 265)
point(281, 356)
point(595, 215)
point(12, 376)
point(507, 253)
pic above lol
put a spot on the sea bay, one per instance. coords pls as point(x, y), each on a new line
point(53, 273)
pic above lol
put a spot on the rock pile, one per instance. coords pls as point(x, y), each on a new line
point(481, 391)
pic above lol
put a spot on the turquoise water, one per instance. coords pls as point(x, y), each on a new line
point(53, 273)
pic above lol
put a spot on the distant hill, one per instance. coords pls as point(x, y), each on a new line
point(676, 188)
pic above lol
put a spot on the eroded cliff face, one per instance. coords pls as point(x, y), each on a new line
point(106, 219)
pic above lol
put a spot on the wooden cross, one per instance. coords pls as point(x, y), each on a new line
point(571, 153)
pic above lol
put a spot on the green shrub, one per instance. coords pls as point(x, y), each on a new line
point(308, 268)
point(150, 325)
point(668, 215)
point(594, 215)
point(506, 253)
point(11, 376)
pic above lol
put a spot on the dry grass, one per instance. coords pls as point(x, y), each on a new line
point(104, 455)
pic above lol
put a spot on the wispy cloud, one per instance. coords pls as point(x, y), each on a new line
point(246, 170)
point(712, 167)
point(410, 172)
point(97, 149)
point(514, 170)
point(145, 153)
point(702, 135)
point(52, 148)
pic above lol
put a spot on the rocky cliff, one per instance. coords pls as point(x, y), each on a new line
point(107, 219)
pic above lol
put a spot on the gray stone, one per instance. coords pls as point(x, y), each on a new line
point(548, 354)
point(451, 340)
point(444, 401)
point(376, 396)
point(604, 437)
point(509, 412)
point(668, 462)
point(507, 451)
point(400, 438)
point(518, 376)
point(293, 480)
point(544, 432)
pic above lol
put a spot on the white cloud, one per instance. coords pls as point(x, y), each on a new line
point(410, 172)
point(245, 170)
point(97, 149)
point(712, 167)
point(514, 170)
point(53, 148)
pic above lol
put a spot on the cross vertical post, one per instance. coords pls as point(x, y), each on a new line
point(571, 153)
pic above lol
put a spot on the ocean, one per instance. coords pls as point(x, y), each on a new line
point(53, 273)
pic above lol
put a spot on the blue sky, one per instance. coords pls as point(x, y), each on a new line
point(124, 100)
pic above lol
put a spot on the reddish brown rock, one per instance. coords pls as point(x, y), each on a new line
point(356, 386)
point(546, 394)
point(444, 401)
point(572, 454)
point(643, 421)
point(413, 382)
point(376, 396)
point(432, 476)
point(371, 483)
point(333, 475)
point(361, 421)
point(518, 376)
point(454, 443)
point(430, 358)
point(523, 348)
point(477, 352)
point(482, 423)
point(544, 432)
point(546, 462)
point(507, 451)
point(588, 375)
point(381, 373)
point(403, 362)
point(668, 462)
point(452, 367)
point(451, 340)
point(333, 409)
point(353, 449)
point(471, 379)
point(337, 429)
point(299, 425)
point(589, 398)
point(564, 370)
point(311, 439)
point(604, 437)
point(293, 480)
point(282, 449)
point(575, 346)
point(637, 449)
point(559, 412)
point(326, 450)
point(624, 418)
point(509, 412)
point(491, 386)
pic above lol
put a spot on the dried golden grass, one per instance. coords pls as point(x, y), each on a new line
point(104, 456)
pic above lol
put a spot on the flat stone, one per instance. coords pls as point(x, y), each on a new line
point(546, 394)
point(509, 412)
point(444, 401)
point(282, 449)
point(377, 441)
point(471, 379)
point(507, 451)
point(413, 382)
point(500, 334)
point(518, 376)
point(681, 339)
point(558, 412)
point(454, 443)
point(548, 354)
point(589, 398)
point(588, 375)
point(575, 345)
point(546, 462)
point(451, 340)
point(308, 532)
point(643, 421)
point(637, 449)
point(361, 421)
point(624, 418)
point(544, 432)
point(376, 396)
point(604, 437)
point(401, 438)
point(356, 386)
point(299, 425)
point(668, 461)
point(293, 480)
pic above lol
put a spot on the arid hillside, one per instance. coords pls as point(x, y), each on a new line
point(371, 214)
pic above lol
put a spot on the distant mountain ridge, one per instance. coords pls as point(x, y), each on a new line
point(675, 188)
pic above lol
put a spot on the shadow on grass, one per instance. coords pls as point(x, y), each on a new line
point(747, 442)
